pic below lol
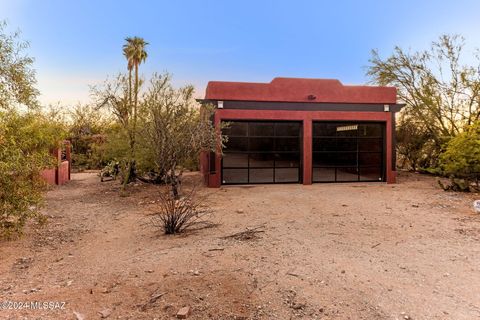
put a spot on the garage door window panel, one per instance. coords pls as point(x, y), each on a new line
point(261, 129)
point(269, 152)
point(324, 144)
point(346, 144)
point(287, 144)
point(287, 160)
point(370, 130)
point(367, 159)
point(324, 159)
point(236, 129)
point(237, 144)
point(286, 175)
point(287, 129)
point(261, 160)
point(347, 174)
point(324, 174)
point(370, 144)
point(235, 160)
point(261, 144)
point(371, 174)
point(348, 152)
point(261, 175)
point(235, 175)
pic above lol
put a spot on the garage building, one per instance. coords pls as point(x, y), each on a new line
point(306, 131)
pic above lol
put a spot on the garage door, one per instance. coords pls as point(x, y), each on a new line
point(262, 152)
point(346, 151)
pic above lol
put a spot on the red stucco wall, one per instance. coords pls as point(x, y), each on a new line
point(303, 91)
point(49, 175)
point(61, 174)
point(300, 90)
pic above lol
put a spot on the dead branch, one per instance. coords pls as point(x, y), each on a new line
point(154, 297)
point(249, 234)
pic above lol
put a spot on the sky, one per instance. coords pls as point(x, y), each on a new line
point(77, 44)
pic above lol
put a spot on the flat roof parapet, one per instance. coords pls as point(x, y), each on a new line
point(300, 90)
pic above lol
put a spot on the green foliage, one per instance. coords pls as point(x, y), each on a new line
point(441, 93)
point(26, 138)
point(116, 145)
point(176, 130)
point(114, 95)
point(414, 144)
point(26, 141)
point(461, 158)
point(17, 77)
point(87, 132)
point(168, 136)
point(134, 52)
point(112, 169)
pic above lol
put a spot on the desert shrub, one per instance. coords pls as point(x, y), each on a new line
point(176, 129)
point(414, 145)
point(87, 132)
point(17, 76)
point(26, 137)
point(121, 97)
point(26, 141)
point(116, 148)
point(440, 87)
point(111, 170)
point(461, 160)
point(179, 215)
point(192, 163)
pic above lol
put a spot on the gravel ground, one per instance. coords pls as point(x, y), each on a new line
point(326, 251)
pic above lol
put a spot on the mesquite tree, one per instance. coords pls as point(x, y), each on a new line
point(115, 95)
point(441, 91)
point(176, 128)
point(26, 137)
point(17, 77)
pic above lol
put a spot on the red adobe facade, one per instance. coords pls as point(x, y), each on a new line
point(60, 174)
point(304, 100)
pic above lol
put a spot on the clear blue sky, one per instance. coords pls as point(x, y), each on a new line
point(78, 43)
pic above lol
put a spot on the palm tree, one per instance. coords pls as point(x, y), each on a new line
point(134, 52)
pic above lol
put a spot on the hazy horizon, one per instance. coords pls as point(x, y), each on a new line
point(78, 44)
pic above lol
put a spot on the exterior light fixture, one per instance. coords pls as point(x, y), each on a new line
point(386, 107)
point(220, 104)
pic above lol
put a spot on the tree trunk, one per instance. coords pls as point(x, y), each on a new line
point(130, 86)
point(131, 172)
point(175, 184)
point(135, 102)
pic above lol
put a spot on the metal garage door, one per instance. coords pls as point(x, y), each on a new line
point(262, 152)
point(347, 151)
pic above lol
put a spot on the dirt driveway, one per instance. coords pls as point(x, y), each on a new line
point(327, 251)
